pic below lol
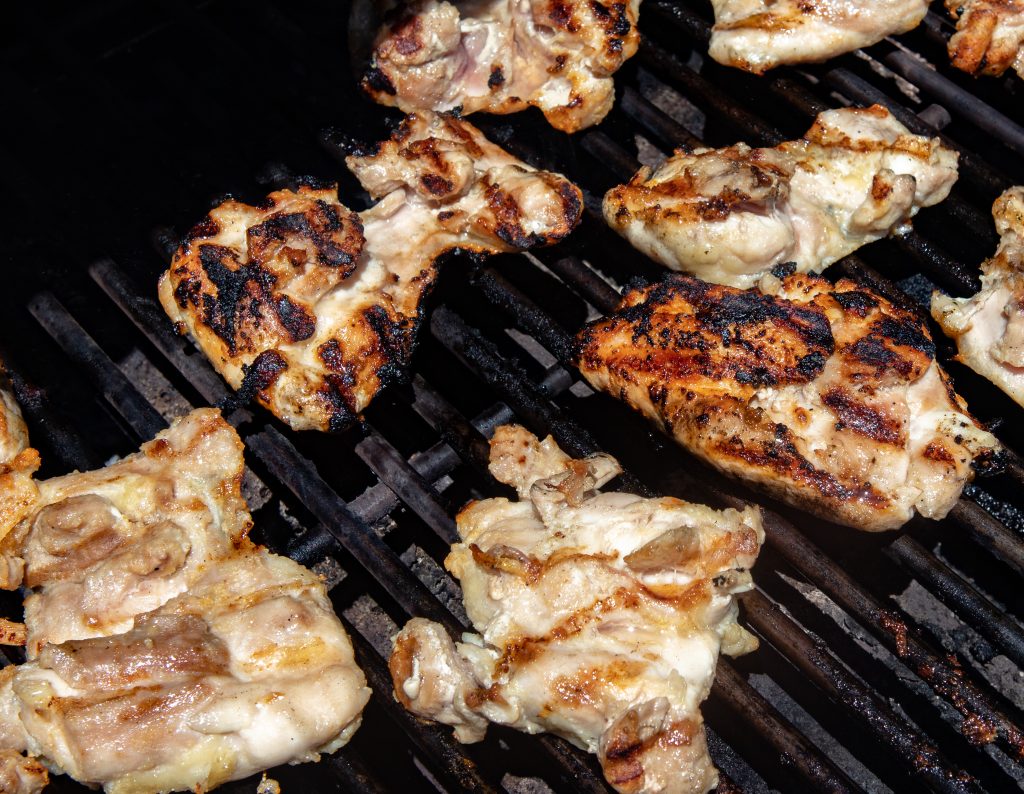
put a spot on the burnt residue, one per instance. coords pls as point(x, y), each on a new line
point(376, 81)
point(260, 375)
point(496, 79)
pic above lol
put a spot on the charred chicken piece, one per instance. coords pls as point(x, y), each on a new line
point(758, 35)
point(989, 36)
point(989, 326)
point(501, 56)
point(826, 397)
point(601, 616)
point(313, 308)
point(731, 215)
point(99, 548)
point(248, 669)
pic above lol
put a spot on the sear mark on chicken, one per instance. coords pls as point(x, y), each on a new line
point(311, 308)
point(826, 397)
point(167, 652)
point(732, 215)
point(18, 491)
point(758, 35)
point(989, 36)
point(600, 617)
point(501, 56)
point(989, 327)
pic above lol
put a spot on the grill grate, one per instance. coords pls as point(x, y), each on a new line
point(886, 661)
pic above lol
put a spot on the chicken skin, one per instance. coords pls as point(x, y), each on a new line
point(501, 56)
point(989, 327)
point(730, 215)
point(166, 651)
point(600, 617)
point(758, 35)
point(989, 36)
point(827, 397)
point(99, 548)
point(312, 308)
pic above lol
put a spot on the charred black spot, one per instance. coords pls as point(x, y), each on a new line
point(907, 333)
point(298, 322)
point(784, 269)
point(445, 215)
point(862, 419)
point(376, 80)
point(811, 365)
point(207, 227)
point(857, 302)
point(497, 78)
point(757, 377)
point(264, 371)
point(437, 185)
point(233, 285)
point(622, 25)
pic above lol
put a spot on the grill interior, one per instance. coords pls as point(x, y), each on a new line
point(888, 663)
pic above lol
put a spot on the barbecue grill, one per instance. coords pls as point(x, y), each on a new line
point(888, 662)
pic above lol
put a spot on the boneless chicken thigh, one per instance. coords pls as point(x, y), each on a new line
point(731, 215)
point(600, 617)
point(825, 396)
point(312, 308)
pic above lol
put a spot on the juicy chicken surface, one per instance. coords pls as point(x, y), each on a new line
point(730, 215)
point(501, 56)
point(758, 35)
point(827, 397)
point(166, 651)
point(99, 548)
point(312, 308)
point(600, 617)
point(989, 327)
point(989, 36)
point(20, 774)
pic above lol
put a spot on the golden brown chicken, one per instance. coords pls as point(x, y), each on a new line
point(313, 308)
point(601, 616)
point(19, 774)
point(167, 652)
point(826, 397)
point(757, 35)
point(18, 492)
point(501, 56)
point(731, 215)
point(989, 327)
point(989, 36)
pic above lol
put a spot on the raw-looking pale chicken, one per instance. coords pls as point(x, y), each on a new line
point(100, 547)
point(989, 36)
point(167, 652)
point(731, 215)
point(501, 56)
point(757, 35)
point(825, 396)
point(312, 308)
point(989, 326)
point(600, 617)
point(248, 669)
point(18, 462)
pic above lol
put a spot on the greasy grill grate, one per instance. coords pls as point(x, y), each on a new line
point(856, 686)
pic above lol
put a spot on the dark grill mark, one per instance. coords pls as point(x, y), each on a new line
point(863, 419)
point(298, 322)
point(437, 185)
point(377, 80)
point(856, 302)
point(263, 373)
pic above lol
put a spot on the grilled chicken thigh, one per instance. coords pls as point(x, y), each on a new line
point(167, 652)
point(101, 547)
point(249, 668)
point(313, 308)
point(989, 36)
point(601, 616)
point(757, 35)
point(827, 397)
point(730, 215)
point(989, 326)
point(501, 56)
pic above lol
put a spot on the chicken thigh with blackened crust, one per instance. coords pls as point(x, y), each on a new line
point(731, 215)
point(825, 396)
point(600, 617)
point(312, 308)
point(989, 327)
point(758, 35)
point(501, 56)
